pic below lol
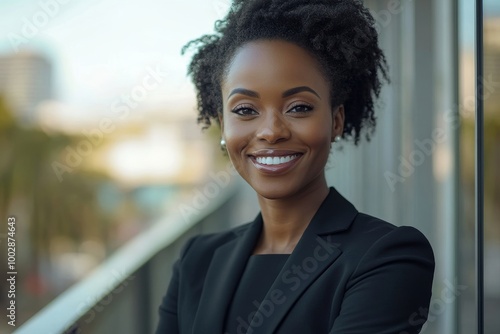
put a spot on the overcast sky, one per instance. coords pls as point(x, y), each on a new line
point(102, 48)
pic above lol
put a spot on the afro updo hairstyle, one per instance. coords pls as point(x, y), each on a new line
point(339, 34)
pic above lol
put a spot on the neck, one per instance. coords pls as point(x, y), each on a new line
point(286, 219)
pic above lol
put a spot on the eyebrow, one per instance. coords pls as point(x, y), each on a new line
point(300, 89)
point(244, 91)
point(287, 93)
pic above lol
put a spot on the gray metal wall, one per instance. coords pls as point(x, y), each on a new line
point(408, 173)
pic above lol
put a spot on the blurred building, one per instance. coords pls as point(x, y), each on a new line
point(491, 71)
point(417, 170)
point(25, 81)
point(492, 59)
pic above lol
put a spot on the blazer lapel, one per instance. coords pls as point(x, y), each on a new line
point(224, 273)
point(312, 255)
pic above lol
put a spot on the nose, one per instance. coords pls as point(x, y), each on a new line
point(273, 128)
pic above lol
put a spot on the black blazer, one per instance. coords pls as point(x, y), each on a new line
point(349, 273)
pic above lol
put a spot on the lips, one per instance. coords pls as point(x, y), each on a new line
point(270, 161)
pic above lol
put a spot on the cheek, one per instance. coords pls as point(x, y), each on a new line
point(320, 146)
point(317, 135)
point(237, 136)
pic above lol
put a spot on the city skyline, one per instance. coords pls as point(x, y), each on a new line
point(99, 55)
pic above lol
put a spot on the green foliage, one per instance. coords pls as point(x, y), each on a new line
point(6, 119)
point(30, 188)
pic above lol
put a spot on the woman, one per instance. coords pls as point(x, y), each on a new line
point(285, 80)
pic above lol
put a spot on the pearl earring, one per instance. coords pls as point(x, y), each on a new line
point(337, 139)
point(223, 144)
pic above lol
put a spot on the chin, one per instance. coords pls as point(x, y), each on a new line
point(274, 190)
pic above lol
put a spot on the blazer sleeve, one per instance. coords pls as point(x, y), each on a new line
point(390, 290)
point(168, 323)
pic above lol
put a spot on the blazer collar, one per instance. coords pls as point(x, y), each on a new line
point(313, 252)
point(334, 215)
point(316, 250)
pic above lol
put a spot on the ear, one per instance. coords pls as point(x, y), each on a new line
point(338, 116)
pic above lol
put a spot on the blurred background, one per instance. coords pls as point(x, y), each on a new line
point(107, 173)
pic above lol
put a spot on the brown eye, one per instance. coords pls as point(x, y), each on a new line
point(300, 108)
point(244, 110)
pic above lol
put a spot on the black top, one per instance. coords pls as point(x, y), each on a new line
point(260, 273)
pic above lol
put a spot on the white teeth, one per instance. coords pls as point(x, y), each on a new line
point(275, 160)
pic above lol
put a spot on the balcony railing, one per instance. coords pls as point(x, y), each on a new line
point(123, 294)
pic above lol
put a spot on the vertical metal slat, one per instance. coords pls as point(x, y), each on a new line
point(479, 169)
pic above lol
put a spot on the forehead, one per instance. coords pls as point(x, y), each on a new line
point(272, 61)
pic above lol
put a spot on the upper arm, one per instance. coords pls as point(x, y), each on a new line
point(390, 290)
point(168, 322)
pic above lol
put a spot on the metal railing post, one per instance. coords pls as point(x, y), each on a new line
point(479, 132)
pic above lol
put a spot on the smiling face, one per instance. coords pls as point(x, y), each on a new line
point(277, 121)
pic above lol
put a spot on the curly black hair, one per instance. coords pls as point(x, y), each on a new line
point(339, 34)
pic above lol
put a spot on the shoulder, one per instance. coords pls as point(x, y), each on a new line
point(357, 231)
point(372, 229)
point(377, 241)
point(206, 244)
point(197, 253)
point(387, 275)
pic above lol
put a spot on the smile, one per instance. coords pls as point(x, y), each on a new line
point(276, 160)
point(275, 165)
